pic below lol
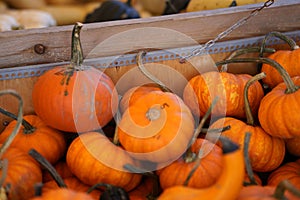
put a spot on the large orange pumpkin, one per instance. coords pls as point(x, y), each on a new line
point(93, 158)
point(157, 127)
point(74, 97)
point(265, 151)
point(34, 133)
point(288, 59)
point(201, 89)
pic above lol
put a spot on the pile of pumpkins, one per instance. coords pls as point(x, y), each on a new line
point(158, 146)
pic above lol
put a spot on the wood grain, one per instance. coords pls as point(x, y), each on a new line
point(17, 47)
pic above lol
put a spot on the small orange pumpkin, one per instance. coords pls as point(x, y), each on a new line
point(293, 146)
point(64, 194)
point(74, 97)
point(157, 127)
point(288, 59)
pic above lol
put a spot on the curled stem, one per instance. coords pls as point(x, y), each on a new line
point(282, 187)
point(249, 170)
point(139, 61)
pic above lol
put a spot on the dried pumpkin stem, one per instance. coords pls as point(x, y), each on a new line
point(9, 140)
point(47, 165)
point(247, 160)
point(139, 61)
point(4, 168)
point(249, 116)
point(76, 49)
point(282, 187)
point(114, 192)
point(243, 51)
point(28, 128)
point(291, 87)
point(293, 45)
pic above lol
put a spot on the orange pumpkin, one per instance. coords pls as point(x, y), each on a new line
point(288, 171)
point(266, 152)
point(293, 146)
point(74, 97)
point(288, 59)
point(134, 93)
point(156, 128)
point(258, 192)
point(228, 185)
point(208, 171)
point(201, 89)
point(64, 194)
point(100, 161)
point(36, 134)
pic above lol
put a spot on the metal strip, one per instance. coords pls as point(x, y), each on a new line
point(153, 56)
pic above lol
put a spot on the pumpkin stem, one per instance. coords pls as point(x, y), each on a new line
point(110, 192)
point(28, 128)
point(247, 160)
point(4, 167)
point(249, 116)
point(76, 49)
point(189, 155)
point(47, 165)
point(282, 187)
point(139, 61)
point(243, 51)
point(293, 45)
point(9, 140)
point(291, 87)
point(38, 187)
point(156, 187)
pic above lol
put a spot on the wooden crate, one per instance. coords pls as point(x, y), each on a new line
point(25, 54)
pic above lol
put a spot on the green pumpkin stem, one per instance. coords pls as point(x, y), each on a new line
point(243, 51)
point(249, 116)
point(282, 187)
point(76, 49)
point(9, 140)
point(28, 128)
point(293, 45)
point(247, 160)
point(291, 87)
point(47, 165)
point(139, 61)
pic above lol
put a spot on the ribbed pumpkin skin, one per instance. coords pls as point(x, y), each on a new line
point(159, 140)
point(266, 152)
point(100, 161)
point(72, 183)
point(131, 95)
point(87, 102)
point(64, 194)
point(202, 89)
point(289, 171)
point(23, 173)
point(278, 112)
point(289, 60)
point(207, 173)
point(61, 168)
point(49, 142)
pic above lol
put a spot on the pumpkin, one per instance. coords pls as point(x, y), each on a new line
point(64, 194)
point(293, 146)
point(288, 171)
point(279, 110)
point(157, 127)
point(208, 171)
point(72, 183)
point(228, 185)
point(288, 59)
point(256, 192)
point(148, 189)
point(266, 152)
point(201, 89)
point(34, 133)
point(74, 97)
point(104, 160)
point(134, 93)
point(25, 4)
point(8, 23)
point(21, 172)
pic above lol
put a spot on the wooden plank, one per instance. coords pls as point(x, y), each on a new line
point(17, 47)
